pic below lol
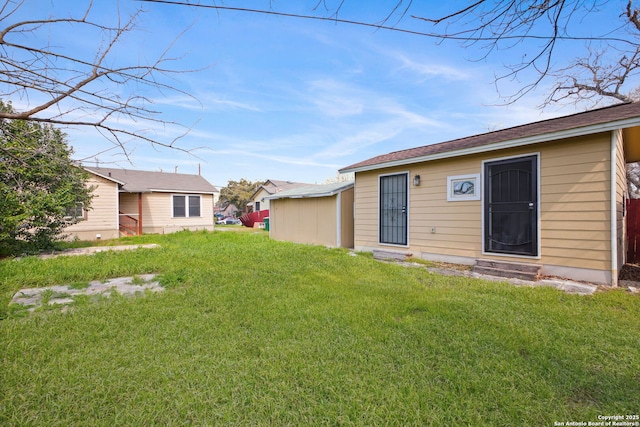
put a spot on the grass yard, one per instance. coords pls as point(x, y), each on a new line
point(255, 332)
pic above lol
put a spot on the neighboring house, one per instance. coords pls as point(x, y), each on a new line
point(230, 210)
point(551, 193)
point(258, 201)
point(317, 214)
point(130, 202)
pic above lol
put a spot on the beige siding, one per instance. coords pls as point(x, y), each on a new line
point(346, 218)
point(309, 220)
point(575, 182)
point(577, 200)
point(260, 198)
point(157, 214)
point(129, 204)
point(102, 218)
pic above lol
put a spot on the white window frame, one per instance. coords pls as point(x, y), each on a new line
point(477, 187)
point(186, 205)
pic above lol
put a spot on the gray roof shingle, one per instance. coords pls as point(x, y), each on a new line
point(137, 181)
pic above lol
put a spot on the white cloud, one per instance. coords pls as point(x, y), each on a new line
point(431, 70)
point(335, 99)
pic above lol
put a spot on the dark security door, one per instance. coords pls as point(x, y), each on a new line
point(511, 206)
point(393, 209)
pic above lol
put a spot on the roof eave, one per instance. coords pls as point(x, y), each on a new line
point(156, 190)
point(513, 143)
point(310, 196)
point(110, 178)
point(302, 196)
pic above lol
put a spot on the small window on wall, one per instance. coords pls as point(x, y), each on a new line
point(179, 207)
point(186, 206)
point(194, 205)
point(77, 212)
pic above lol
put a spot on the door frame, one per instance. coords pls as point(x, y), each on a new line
point(485, 200)
point(407, 174)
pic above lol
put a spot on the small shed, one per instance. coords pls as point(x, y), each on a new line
point(259, 200)
point(316, 214)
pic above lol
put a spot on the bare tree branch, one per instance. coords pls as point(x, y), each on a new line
point(594, 79)
point(497, 26)
point(83, 90)
point(435, 35)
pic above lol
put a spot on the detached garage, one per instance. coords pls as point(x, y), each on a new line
point(317, 214)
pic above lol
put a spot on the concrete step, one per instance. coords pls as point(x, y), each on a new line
point(509, 265)
point(391, 256)
point(508, 269)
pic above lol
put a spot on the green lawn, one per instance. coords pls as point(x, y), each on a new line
point(256, 332)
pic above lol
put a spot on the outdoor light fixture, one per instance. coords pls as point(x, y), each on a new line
point(416, 180)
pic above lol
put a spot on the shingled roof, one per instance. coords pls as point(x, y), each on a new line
point(136, 181)
point(594, 121)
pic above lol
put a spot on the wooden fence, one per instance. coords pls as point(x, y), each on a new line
point(633, 231)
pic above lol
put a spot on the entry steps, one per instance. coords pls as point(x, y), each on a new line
point(512, 270)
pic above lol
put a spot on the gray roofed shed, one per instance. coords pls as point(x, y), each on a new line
point(314, 214)
point(322, 190)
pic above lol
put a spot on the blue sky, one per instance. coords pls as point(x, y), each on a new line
point(291, 99)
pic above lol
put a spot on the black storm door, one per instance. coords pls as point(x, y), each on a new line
point(393, 209)
point(511, 206)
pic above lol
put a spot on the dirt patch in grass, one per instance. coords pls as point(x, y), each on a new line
point(630, 272)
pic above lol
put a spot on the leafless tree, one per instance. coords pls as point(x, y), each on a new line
point(57, 85)
point(633, 180)
point(604, 73)
point(592, 78)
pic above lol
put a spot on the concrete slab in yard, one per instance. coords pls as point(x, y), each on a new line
point(63, 294)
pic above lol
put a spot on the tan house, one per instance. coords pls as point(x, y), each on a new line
point(549, 194)
point(317, 214)
point(128, 202)
point(259, 202)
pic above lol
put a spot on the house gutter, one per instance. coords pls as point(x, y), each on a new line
point(164, 190)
